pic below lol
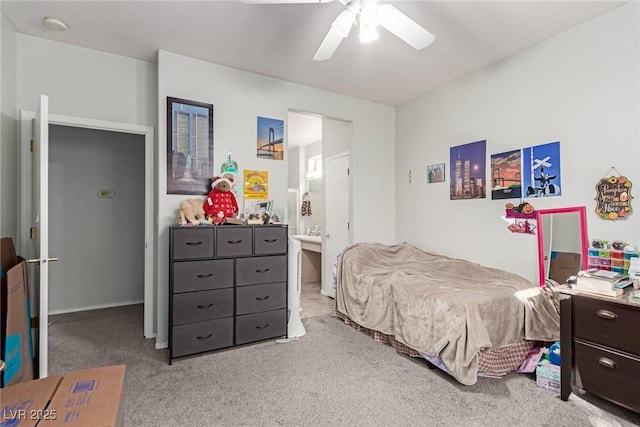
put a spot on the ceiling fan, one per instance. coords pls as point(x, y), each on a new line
point(368, 15)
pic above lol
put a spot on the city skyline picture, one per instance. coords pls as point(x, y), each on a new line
point(467, 171)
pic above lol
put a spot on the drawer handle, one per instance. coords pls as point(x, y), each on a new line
point(204, 338)
point(264, 270)
point(193, 243)
point(234, 242)
point(204, 276)
point(607, 363)
point(606, 314)
point(204, 307)
point(270, 240)
point(262, 298)
point(263, 326)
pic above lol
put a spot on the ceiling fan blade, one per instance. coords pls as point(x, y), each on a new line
point(340, 29)
point(404, 27)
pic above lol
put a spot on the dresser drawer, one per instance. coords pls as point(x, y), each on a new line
point(206, 305)
point(261, 326)
point(606, 323)
point(192, 242)
point(191, 276)
point(257, 270)
point(269, 240)
point(608, 374)
point(202, 336)
point(233, 241)
point(256, 298)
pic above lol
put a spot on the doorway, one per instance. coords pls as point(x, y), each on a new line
point(312, 140)
point(146, 216)
point(96, 194)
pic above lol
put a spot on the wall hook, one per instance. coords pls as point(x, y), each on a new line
point(409, 176)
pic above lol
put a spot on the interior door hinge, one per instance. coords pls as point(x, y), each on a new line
point(33, 232)
point(32, 146)
point(35, 322)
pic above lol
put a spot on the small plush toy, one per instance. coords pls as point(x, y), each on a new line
point(191, 212)
point(221, 202)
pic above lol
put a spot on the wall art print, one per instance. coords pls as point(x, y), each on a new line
point(541, 170)
point(467, 169)
point(613, 198)
point(189, 146)
point(270, 143)
point(506, 175)
point(435, 173)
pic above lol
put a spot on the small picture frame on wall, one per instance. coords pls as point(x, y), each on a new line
point(189, 146)
point(435, 173)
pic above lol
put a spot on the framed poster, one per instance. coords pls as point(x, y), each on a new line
point(467, 169)
point(506, 176)
point(189, 146)
point(435, 173)
point(541, 170)
point(269, 144)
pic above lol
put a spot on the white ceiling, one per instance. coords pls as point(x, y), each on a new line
point(279, 40)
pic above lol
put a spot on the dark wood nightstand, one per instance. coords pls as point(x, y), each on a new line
point(600, 347)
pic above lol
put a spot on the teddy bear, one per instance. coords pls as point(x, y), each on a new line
point(221, 202)
point(191, 211)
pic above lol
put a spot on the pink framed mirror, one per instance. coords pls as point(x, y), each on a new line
point(562, 243)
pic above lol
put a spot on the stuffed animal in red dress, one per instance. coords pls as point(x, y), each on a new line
point(221, 202)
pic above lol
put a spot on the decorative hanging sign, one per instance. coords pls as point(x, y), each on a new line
point(613, 197)
point(521, 218)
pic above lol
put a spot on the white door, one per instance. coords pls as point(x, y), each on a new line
point(40, 226)
point(336, 217)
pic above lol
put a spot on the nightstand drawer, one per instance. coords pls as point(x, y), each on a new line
point(608, 374)
point(192, 242)
point(261, 326)
point(257, 270)
point(607, 323)
point(206, 305)
point(233, 241)
point(257, 298)
point(203, 275)
point(269, 240)
point(202, 336)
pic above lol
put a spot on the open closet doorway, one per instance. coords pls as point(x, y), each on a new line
point(312, 141)
point(136, 154)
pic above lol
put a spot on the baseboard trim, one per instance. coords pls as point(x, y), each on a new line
point(160, 345)
point(96, 307)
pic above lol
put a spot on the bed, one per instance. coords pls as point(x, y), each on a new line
point(459, 315)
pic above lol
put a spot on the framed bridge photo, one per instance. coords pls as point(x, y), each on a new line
point(189, 146)
point(270, 141)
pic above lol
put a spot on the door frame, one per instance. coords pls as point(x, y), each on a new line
point(24, 191)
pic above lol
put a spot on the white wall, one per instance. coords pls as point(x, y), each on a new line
point(100, 241)
point(238, 98)
point(580, 88)
point(8, 133)
point(86, 83)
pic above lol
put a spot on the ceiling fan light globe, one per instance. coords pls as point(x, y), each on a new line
point(368, 34)
point(369, 14)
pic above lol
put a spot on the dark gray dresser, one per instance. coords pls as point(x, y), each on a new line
point(600, 348)
point(227, 286)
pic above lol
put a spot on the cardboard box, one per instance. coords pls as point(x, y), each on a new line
point(18, 345)
point(89, 398)
point(563, 265)
point(24, 404)
point(548, 375)
point(85, 398)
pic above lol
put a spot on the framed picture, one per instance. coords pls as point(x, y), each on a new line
point(269, 144)
point(435, 173)
point(189, 146)
point(467, 171)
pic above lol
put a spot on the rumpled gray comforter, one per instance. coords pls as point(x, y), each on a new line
point(444, 307)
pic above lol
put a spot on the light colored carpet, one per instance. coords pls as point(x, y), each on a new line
point(333, 376)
